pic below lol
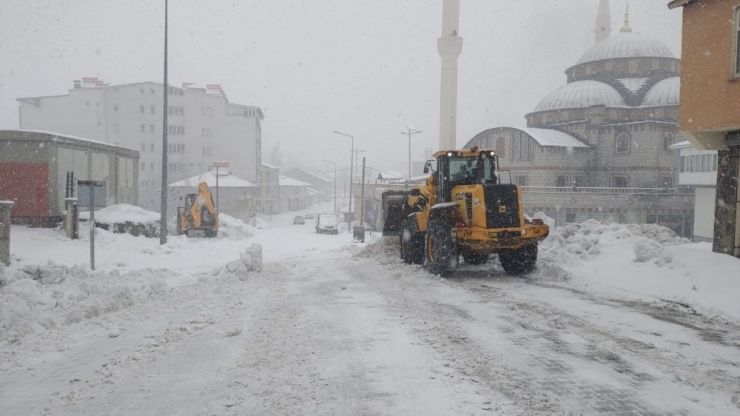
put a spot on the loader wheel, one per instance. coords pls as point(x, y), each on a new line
point(441, 253)
point(412, 245)
point(471, 257)
point(520, 261)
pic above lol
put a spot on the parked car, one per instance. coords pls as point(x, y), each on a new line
point(298, 219)
point(309, 216)
point(326, 223)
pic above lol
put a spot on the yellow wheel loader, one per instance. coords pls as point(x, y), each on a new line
point(463, 210)
point(198, 213)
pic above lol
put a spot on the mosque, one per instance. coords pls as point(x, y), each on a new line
point(599, 147)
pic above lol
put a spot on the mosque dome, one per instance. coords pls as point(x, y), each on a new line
point(581, 94)
point(663, 93)
point(626, 45)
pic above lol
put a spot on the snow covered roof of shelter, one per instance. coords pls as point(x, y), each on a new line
point(632, 84)
point(224, 181)
point(665, 92)
point(286, 181)
point(549, 138)
point(681, 145)
point(581, 94)
point(626, 45)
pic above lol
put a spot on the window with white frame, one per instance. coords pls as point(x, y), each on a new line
point(115, 107)
point(206, 132)
point(143, 147)
point(175, 148)
point(151, 146)
point(175, 130)
point(151, 128)
point(151, 109)
point(206, 151)
point(205, 111)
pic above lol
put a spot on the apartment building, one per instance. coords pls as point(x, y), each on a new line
point(203, 126)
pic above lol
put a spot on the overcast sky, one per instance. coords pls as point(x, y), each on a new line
point(363, 67)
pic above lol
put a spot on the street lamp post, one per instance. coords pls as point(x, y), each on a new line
point(351, 151)
point(335, 184)
point(409, 133)
point(163, 192)
point(357, 151)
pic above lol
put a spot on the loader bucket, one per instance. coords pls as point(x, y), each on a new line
point(394, 211)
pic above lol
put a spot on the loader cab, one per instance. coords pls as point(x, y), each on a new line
point(465, 168)
point(189, 200)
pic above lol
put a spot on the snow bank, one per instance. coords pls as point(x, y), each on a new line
point(249, 261)
point(382, 249)
point(37, 298)
point(120, 213)
point(229, 226)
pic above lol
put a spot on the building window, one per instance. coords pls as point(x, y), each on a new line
point(667, 142)
point(151, 145)
point(501, 147)
point(737, 42)
point(151, 128)
point(562, 181)
point(175, 91)
point(205, 111)
point(682, 164)
point(206, 132)
point(142, 127)
point(151, 108)
point(206, 151)
point(115, 107)
point(116, 127)
point(714, 163)
point(141, 90)
point(622, 144)
point(175, 130)
point(520, 180)
point(620, 182)
point(176, 148)
point(579, 181)
point(151, 90)
point(522, 148)
point(176, 110)
point(141, 109)
point(143, 147)
point(151, 165)
point(143, 165)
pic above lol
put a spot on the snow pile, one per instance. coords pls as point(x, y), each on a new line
point(229, 226)
point(37, 298)
point(383, 249)
point(573, 244)
point(249, 261)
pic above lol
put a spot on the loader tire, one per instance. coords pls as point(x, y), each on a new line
point(441, 252)
point(520, 261)
point(412, 245)
point(472, 257)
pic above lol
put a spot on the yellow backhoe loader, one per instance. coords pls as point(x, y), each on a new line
point(463, 209)
point(198, 213)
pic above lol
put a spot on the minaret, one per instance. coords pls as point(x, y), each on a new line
point(449, 47)
point(603, 22)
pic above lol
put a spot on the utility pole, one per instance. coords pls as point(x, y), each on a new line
point(163, 193)
point(351, 151)
point(409, 133)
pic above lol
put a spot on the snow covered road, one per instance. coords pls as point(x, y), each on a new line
point(331, 327)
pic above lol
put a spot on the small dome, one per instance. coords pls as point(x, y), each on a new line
point(626, 45)
point(581, 94)
point(663, 93)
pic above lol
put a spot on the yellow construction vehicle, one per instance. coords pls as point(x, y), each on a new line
point(463, 209)
point(198, 213)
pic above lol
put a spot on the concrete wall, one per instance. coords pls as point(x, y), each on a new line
point(704, 206)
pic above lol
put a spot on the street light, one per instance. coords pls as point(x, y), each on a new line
point(351, 151)
point(409, 133)
point(335, 184)
point(357, 151)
